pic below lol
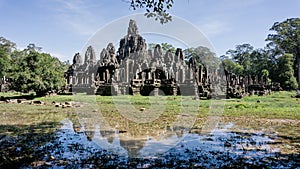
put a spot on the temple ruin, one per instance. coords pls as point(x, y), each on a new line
point(134, 69)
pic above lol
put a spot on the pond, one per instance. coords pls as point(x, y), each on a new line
point(223, 147)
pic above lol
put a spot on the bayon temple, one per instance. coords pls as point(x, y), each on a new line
point(134, 69)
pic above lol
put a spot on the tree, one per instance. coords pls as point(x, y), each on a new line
point(35, 71)
point(245, 60)
point(242, 55)
point(286, 39)
point(33, 47)
point(6, 48)
point(204, 56)
point(232, 67)
point(165, 47)
point(260, 63)
point(154, 8)
point(285, 71)
point(4, 60)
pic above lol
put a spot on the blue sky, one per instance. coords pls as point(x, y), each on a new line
point(62, 27)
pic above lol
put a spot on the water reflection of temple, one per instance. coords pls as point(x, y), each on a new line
point(133, 145)
point(131, 141)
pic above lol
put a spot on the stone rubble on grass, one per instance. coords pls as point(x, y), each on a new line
point(67, 104)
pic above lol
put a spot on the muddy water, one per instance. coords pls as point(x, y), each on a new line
point(225, 146)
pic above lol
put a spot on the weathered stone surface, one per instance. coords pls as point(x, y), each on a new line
point(11, 100)
point(69, 103)
point(21, 100)
point(134, 69)
point(77, 60)
point(90, 57)
point(66, 106)
point(132, 29)
point(37, 102)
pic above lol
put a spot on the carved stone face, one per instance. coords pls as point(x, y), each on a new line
point(77, 60)
point(132, 29)
point(111, 49)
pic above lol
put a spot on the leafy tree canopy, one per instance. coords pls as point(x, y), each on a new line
point(232, 67)
point(4, 59)
point(6, 48)
point(286, 72)
point(30, 69)
point(165, 47)
point(154, 8)
point(6, 45)
point(247, 61)
point(285, 36)
point(286, 39)
point(203, 56)
point(242, 56)
point(37, 72)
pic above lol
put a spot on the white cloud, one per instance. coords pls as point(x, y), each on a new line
point(213, 27)
point(77, 15)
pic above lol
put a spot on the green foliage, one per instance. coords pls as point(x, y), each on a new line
point(165, 47)
point(6, 45)
point(245, 60)
point(242, 56)
point(30, 69)
point(154, 8)
point(6, 48)
point(203, 56)
point(32, 47)
point(286, 36)
point(4, 60)
point(260, 64)
point(286, 72)
point(232, 67)
point(286, 39)
point(265, 72)
point(37, 72)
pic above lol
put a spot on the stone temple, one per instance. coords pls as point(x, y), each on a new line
point(133, 69)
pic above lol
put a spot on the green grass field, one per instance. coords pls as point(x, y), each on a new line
point(278, 105)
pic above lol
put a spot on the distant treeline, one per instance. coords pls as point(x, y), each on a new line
point(279, 59)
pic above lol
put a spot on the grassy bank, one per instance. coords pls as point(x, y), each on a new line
point(277, 105)
point(154, 113)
